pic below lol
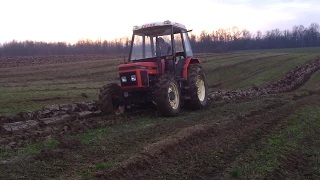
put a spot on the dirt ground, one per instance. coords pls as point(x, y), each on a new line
point(223, 141)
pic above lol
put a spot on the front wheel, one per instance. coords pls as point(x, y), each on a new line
point(198, 90)
point(167, 96)
point(106, 96)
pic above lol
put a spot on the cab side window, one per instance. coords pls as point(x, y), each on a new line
point(178, 42)
point(187, 44)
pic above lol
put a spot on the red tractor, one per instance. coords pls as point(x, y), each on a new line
point(161, 71)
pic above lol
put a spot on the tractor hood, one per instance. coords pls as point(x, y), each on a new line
point(138, 66)
point(136, 75)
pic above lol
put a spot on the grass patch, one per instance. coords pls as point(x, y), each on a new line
point(271, 72)
point(31, 148)
point(303, 124)
point(286, 50)
point(14, 102)
point(235, 173)
point(216, 62)
point(141, 122)
point(312, 84)
point(91, 136)
point(86, 175)
point(257, 72)
point(105, 165)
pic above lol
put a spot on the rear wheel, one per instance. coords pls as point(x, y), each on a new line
point(167, 96)
point(105, 102)
point(198, 91)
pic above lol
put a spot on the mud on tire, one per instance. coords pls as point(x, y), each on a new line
point(198, 88)
point(107, 92)
point(167, 96)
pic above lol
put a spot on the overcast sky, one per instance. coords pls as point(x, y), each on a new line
point(70, 20)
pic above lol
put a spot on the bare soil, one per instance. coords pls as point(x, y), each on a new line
point(141, 145)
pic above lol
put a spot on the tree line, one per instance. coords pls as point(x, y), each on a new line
point(221, 40)
point(83, 46)
point(232, 39)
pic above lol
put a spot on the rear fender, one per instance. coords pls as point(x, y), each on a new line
point(186, 65)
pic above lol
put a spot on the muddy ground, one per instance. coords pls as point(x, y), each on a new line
point(55, 120)
point(196, 145)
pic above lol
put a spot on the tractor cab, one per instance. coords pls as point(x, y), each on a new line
point(160, 41)
point(163, 39)
point(161, 70)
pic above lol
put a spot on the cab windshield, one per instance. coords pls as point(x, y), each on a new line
point(151, 42)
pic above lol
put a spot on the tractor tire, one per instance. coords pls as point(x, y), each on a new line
point(167, 96)
point(198, 88)
point(107, 93)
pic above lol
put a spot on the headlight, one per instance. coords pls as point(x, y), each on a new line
point(124, 79)
point(133, 77)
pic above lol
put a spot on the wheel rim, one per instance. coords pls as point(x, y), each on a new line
point(174, 103)
point(201, 90)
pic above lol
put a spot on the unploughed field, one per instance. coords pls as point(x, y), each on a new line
point(273, 136)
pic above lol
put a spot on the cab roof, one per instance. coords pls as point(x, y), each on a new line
point(159, 24)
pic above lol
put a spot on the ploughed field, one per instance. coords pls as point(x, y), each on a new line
point(262, 121)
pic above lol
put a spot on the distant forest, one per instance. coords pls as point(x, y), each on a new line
point(221, 40)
